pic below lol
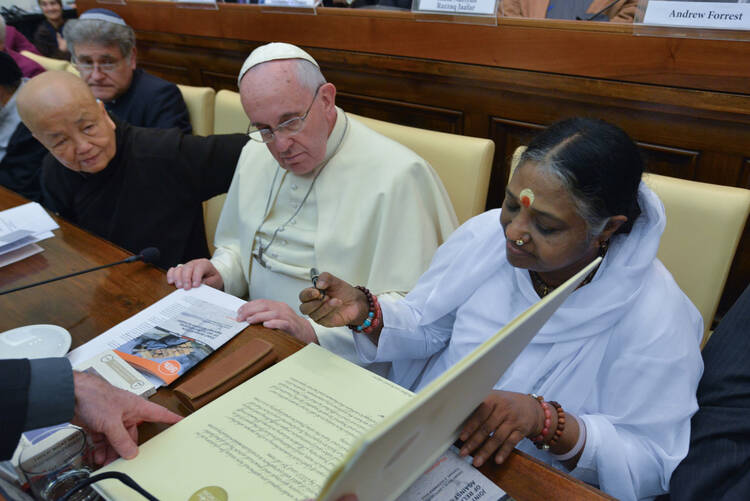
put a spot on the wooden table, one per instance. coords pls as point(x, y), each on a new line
point(89, 304)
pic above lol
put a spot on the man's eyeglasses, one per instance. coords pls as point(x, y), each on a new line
point(103, 67)
point(289, 127)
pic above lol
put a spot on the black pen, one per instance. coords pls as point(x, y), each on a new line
point(314, 275)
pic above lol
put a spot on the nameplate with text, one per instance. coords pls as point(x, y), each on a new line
point(290, 3)
point(722, 15)
point(460, 7)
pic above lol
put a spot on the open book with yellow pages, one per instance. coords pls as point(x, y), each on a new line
point(317, 425)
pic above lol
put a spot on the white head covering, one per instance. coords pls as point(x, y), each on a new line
point(273, 51)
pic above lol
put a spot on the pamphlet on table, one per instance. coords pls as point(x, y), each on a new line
point(172, 335)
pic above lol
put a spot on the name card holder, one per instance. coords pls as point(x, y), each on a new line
point(197, 4)
point(693, 19)
point(305, 7)
point(482, 12)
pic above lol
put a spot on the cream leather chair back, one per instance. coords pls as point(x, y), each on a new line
point(462, 162)
point(704, 226)
point(200, 105)
point(229, 117)
point(48, 63)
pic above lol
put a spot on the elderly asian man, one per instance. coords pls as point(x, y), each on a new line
point(103, 51)
point(134, 186)
point(316, 188)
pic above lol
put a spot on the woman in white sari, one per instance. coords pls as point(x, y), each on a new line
point(621, 355)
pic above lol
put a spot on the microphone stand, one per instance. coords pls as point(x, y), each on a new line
point(131, 259)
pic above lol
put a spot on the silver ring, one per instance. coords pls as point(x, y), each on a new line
point(180, 265)
point(520, 242)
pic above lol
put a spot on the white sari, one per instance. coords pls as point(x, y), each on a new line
point(622, 352)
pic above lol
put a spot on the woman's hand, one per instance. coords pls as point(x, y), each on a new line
point(500, 422)
point(61, 43)
point(334, 303)
point(277, 315)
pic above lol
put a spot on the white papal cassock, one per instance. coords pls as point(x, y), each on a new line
point(375, 216)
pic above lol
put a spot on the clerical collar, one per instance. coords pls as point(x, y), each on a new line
point(332, 147)
point(337, 135)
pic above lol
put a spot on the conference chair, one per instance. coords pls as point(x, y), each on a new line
point(200, 105)
point(48, 63)
point(704, 226)
point(462, 162)
point(229, 118)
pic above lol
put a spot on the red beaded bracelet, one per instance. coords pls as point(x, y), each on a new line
point(560, 422)
point(539, 439)
point(374, 315)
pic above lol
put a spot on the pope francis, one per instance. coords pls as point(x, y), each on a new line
point(314, 188)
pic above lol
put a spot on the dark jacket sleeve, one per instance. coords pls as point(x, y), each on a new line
point(211, 161)
point(20, 167)
point(718, 463)
point(168, 109)
point(15, 378)
point(57, 195)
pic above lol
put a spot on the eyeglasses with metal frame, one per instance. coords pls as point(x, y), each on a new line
point(103, 67)
point(288, 127)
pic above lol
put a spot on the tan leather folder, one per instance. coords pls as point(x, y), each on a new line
point(225, 373)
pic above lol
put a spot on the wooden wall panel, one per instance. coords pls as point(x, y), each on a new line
point(668, 161)
point(507, 135)
point(604, 51)
point(744, 178)
point(392, 110)
point(169, 72)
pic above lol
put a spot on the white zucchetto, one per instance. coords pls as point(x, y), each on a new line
point(273, 51)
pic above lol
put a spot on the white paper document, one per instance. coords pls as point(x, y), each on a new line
point(452, 478)
point(19, 254)
point(24, 225)
point(203, 314)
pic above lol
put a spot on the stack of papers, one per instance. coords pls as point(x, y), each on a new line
point(20, 228)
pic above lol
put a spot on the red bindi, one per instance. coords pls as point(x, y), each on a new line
point(527, 197)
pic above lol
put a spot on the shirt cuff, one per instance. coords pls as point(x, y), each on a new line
point(400, 337)
point(587, 461)
point(51, 394)
point(232, 275)
point(366, 349)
